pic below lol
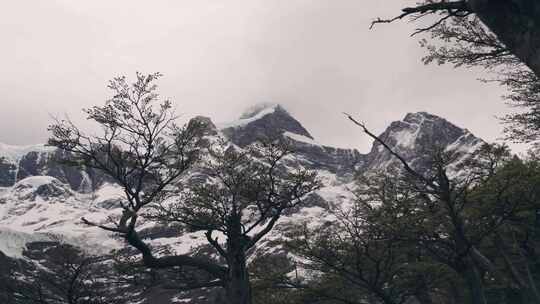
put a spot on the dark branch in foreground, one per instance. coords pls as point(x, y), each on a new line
point(454, 8)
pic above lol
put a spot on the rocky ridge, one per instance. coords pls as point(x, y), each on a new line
point(41, 198)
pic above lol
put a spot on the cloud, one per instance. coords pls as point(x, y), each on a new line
point(316, 57)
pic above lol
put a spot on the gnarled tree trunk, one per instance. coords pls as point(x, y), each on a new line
point(472, 277)
point(237, 285)
point(516, 23)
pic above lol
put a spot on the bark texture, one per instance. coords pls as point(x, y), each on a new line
point(516, 23)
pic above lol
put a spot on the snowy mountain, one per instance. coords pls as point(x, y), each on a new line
point(416, 137)
point(19, 162)
point(42, 199)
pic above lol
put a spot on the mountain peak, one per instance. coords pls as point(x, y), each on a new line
point(261, 121)
point(423, 127)
point(260, 108)
point(417, 135)
point(419, 117)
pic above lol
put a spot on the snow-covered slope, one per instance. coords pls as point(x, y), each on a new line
point(46, 206)
point(418, 136)
point(15, 153)
point(266, 120)
point(13, 242)
point(42, 200)
point(47, 201)
point(17, 163)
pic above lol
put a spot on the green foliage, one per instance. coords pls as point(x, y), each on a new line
point(425, 236)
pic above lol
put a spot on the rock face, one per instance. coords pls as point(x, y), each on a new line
point(8, 172)
point(44, 161)
point(417, 137)
point(261, 122)
point(273, 121)
point(40, 195)
point(46, 188)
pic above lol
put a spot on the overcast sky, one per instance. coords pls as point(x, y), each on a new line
point(316, 57)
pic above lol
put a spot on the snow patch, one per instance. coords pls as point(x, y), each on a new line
point(466, 143)
point(109, 192)
point(23, 209)
point(405, 138)
point(15, 153)
point(300, 138)
point(250, 116)
point(13, 243)
point(255, 109)
point(36, 181)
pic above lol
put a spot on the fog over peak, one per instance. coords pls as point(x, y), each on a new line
point(317, 58)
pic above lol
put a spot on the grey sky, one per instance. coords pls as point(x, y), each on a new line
point(316, 57)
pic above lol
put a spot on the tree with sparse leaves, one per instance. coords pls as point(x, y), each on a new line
point(500, 36)
point(456, 232)
point(455, 218)
point(60, 274)
point(241, 195)
point(359, 261)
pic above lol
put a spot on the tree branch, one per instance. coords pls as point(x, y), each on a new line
point(175, 260)
point(391, 151)
point(452, 7)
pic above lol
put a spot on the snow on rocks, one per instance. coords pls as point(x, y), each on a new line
point(15, 153)
point(13, 243)
point(42, 205)
point(40, 187)
point(252, 114)
point(37, 207)
point(301, 138)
